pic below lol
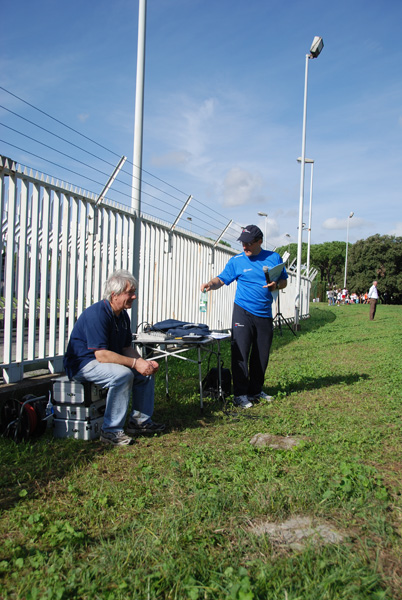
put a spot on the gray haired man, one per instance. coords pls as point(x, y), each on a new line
point(100, 351)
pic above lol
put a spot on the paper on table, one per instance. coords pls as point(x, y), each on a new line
point(217, 335)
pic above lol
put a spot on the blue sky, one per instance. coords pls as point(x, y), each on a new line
point(224, 88)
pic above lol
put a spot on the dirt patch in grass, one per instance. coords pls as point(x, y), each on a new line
point(277, 442)
point(298, 532)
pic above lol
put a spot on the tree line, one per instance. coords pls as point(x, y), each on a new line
point(378, 257)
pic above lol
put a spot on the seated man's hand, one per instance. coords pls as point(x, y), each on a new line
point(146, 367)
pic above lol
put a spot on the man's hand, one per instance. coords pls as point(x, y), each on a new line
point(272, 286)
point(214, 284)
point(276, 285)
point(130, 358)
point(146, 367)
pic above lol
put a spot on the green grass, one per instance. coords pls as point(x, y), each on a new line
point(169, 517)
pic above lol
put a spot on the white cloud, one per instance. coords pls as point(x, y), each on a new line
point(397, 231)
point(335, 223)
point(241, 187)
point(171, 159)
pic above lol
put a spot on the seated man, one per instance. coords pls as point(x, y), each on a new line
point(100, 351)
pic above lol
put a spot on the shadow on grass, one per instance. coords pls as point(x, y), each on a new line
point(26, 468)
point(319, 317)
point(182, 410)
point(317, 383)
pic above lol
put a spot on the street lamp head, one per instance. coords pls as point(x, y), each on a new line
point(351, 215)
point(262, 214)
point(316, 47)
point(306, 160)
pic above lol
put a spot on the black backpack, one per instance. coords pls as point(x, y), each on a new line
point(210, 383)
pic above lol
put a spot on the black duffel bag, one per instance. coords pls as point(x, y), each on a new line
point(210, 383)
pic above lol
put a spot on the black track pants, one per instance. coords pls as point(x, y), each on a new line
point(251, 343)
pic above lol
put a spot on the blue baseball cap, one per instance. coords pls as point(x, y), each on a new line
point(250, 233)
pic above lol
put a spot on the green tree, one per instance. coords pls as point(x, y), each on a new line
point(329, 259)
point(379, 257)
point(292, 249)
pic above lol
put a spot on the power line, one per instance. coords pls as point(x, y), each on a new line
point(120, 181)
point(83, 150)
point(57, 120)
point(98, 144)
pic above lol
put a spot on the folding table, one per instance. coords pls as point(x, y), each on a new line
point(177, 348)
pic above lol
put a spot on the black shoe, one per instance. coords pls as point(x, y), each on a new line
point(145, 428)
point(117, 438)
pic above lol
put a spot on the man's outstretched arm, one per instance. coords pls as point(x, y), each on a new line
point(213, 284)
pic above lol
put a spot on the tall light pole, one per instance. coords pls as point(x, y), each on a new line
point(347, 244)
point(316, 48)
point(262, 214)
point(311, 162)
point(137, 153)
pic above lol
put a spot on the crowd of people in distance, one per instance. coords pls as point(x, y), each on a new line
point(338, 296)
point(343, 296)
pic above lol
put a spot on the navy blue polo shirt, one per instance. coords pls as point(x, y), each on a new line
point(248, 272)
point(97, 328)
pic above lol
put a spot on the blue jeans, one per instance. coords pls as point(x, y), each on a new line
point(121, 381)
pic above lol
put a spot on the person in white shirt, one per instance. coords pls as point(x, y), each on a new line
point(373, 298)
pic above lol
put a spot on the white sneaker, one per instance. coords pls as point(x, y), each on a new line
point(242, 401)
point(262, 397)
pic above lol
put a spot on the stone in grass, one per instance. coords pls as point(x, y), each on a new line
point(277, 442)
point(298, 532)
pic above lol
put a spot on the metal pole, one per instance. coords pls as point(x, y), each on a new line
point(110, 180)
point(179, 216)
point(137, 154)
point(223, 233)
point(300, 232)
point(139, 109)
point(309, 221)
point(263, 214)
point(347, 245)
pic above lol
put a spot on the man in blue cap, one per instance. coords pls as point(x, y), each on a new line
point(252, 322)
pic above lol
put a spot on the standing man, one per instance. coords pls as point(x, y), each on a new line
point(100, 351)
point(252, 323)
point(373, 299)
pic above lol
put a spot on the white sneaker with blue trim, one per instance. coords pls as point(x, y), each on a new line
point(261, 397)
point(242, 401)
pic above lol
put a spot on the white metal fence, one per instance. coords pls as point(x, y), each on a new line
point(57, 249)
